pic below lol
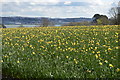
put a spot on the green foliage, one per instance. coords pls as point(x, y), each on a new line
point(83, 23)
point(99, 22)
point(100, 19)
point(2, 26)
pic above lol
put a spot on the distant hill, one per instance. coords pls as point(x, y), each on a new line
point(37, 20)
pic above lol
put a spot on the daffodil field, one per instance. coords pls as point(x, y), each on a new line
point(61, 52)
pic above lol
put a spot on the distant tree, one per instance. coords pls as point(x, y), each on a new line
point(3, 26)
point(115, 14)
point(51, 23)
point(77, 23)
point(21, 25)
point(103, 20)
point(45, 22)
point(70, 24)
point(95, 17)
point(100, 19)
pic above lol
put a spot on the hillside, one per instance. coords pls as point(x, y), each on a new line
point(37, 20)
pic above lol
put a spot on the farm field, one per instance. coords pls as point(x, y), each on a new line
point(61, 52)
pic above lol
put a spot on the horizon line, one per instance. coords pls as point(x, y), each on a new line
point(44, 17)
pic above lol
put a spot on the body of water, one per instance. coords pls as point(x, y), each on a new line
point(14, 26)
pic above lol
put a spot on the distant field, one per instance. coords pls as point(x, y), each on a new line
point(61, 52)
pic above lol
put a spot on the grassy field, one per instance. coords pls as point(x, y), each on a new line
point(61, 52)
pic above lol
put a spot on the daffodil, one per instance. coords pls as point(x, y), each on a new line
point(95, 48)
point(33, 52)
point(109, 49)
point(93, 52)
point(98, 43)
point(96, 56)
point(18, 61)
point(118, 69)
point(98, 52)
point(66, 56)
point(100, 63)
point(117, 47)
point(1, 60)
point(106, 61)
point(111, 65)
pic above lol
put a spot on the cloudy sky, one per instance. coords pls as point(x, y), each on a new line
point(56, 8)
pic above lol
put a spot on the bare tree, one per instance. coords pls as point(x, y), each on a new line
point(45, 22)
point(118, 8)
point(115, 14)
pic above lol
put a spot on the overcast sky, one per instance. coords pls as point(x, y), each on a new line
point(56, 8)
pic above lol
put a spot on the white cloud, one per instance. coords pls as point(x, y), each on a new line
point(67, 2)
point(52, 1)
point(34, 8)
point(33, 3)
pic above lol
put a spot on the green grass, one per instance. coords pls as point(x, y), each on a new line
point(61, 52)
